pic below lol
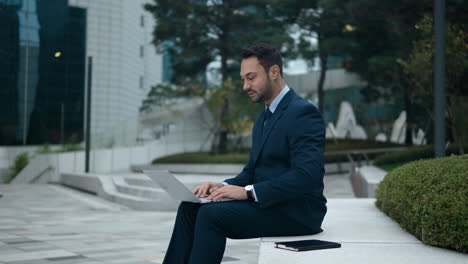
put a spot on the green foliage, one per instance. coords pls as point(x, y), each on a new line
point(71, 145)
point(240, 157)
point(194, 33)
point(166, 94)
point(320, 20)
point(412, 154)
point(45, 149)
point(355, 144)
point(428, 199)
point(419, 64)
point(159, 95)
point(383, 35)
point(380, 37)
point(21, 161)
point(240, 114)
point(419, 70)
point(390, 167)
point(333, 150)
point(231, 109)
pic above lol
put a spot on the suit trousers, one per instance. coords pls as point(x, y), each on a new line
point(200, 230)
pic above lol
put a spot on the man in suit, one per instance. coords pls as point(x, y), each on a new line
point(280, 190)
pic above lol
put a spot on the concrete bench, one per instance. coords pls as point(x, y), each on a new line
point(366, 235)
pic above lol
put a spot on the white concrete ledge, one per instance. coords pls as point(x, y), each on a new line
point(365, 180)
point(371, 176)
point(366, 235)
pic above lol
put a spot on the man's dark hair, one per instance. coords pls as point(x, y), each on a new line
point(267, 56)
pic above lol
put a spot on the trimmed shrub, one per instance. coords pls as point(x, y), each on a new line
point(428, 198)
point(412, 154)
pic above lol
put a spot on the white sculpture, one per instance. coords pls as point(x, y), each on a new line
point(381, 137)
point(331, 131)
point(419, 138)
point(346, 126)
point(399, 132)
point(399, 129)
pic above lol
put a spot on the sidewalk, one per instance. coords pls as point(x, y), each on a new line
point(53, 224)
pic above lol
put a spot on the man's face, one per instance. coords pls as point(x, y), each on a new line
point(257, 83)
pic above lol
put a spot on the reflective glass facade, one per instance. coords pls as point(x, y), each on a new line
point(42, 71)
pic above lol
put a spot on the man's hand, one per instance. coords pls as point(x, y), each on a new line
point(229, 191)
point(206, 188)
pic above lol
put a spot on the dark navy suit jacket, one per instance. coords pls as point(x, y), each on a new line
point(286, 164)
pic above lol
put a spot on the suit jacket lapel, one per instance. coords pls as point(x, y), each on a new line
point(260, 137)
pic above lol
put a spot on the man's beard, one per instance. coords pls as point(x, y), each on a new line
point(263, 93)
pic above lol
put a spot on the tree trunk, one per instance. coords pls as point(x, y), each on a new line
point(409, 115)
point(323, 71)
point(221, 138)
point(453, 125)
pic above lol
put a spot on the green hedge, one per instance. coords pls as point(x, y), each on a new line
point(429, 198)
point(242, 156)
point(412, 154)
point(204, 158)
point(352, 144)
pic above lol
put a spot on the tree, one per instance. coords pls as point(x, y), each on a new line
point(419, 70)
point(241, 115)
point(164, 94)
point(384, 33)
point(197, 32)
point(321, 20)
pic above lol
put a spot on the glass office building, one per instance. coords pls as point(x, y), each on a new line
point(125, 66)
point(42, 71)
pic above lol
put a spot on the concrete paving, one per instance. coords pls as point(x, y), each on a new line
point(55, 224)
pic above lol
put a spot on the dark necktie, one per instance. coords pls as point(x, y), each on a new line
point(267, 116)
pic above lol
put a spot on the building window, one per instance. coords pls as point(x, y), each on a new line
point(142, 51)
point(142, 21)
point(141, 82)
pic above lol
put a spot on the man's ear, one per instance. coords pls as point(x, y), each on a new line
point(274, 72)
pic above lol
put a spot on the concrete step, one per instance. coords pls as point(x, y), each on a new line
point(105, 187)
point(143, 191)
point(143, 204)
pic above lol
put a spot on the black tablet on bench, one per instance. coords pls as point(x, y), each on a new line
point(304, 245)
